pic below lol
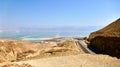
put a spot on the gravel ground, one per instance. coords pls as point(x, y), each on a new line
point(81, 60)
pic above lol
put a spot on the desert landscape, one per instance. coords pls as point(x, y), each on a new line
point(66, 53)
point(59, 33)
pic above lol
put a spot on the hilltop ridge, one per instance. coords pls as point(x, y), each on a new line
point(107, 39)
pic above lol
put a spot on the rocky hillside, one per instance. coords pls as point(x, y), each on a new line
point(10, 49)
point(17, 50)
point(107, 39)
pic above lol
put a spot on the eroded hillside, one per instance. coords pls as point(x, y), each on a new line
point(107, 39)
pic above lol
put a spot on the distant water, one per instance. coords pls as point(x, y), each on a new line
point(27, 35)
point(37, 33)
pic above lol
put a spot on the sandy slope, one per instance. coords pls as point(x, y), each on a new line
point(81, 60)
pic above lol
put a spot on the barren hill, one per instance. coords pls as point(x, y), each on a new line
point(16, 50)
point(107, 39)
point(64, 54)
point(113, 27)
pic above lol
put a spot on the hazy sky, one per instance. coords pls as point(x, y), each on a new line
point(40, 13)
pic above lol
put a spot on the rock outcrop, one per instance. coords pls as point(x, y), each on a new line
point(17, 50)
point(107, 39)
point(10, 49)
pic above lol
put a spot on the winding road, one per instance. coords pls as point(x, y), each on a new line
point(83, 46)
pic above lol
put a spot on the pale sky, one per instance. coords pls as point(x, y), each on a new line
point(45, 13)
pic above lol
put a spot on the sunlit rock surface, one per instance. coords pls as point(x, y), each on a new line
point(107, 39)
point(10, 49)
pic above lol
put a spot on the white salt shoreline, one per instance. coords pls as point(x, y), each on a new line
point(49, 38)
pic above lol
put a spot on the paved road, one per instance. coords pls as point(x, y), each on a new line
point(83, 45)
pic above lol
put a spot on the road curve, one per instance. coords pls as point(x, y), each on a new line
point(83, 45)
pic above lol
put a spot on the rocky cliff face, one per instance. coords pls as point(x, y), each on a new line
point(107, 39)
point(10, 49)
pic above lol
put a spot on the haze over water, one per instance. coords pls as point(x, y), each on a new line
point(47, 32)
point(47, 18)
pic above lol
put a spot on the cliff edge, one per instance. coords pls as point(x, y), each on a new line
point(107, 39)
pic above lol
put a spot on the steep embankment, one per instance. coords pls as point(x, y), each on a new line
point(107, 39)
